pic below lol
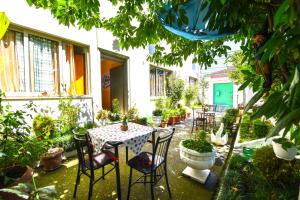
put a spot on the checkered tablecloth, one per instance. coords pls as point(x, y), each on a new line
point(134, 138)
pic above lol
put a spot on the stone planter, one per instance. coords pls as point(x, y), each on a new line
point(156, 120)
point(52, 159)
point(281, 153)
point(198, 163)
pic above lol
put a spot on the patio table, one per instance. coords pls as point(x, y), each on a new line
point(134, 139)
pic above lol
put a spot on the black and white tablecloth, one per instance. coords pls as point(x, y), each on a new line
point(134, 138)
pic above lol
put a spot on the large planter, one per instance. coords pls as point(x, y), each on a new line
point(52, 160)
point(281, 153)
point(26, 174)
point(156, 120)
point(198, 163)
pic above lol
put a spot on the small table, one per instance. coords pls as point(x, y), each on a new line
point(134, 139)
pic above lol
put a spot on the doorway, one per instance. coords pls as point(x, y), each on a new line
point(223, 94)
point(114, 81)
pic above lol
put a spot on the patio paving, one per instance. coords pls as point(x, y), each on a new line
point(181, 187)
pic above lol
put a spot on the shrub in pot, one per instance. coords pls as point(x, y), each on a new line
point(19, 150)
point(199, 155)
point(182, 112)
point(43, 127)
point(132, 113)
point(165, 118)
point(102, 116)
point(174, 117)
point(157, 116)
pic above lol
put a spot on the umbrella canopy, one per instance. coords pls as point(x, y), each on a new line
point(197, 27)
point(4, 23)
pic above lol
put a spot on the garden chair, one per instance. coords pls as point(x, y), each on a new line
point(89, 162)
point(153, 165)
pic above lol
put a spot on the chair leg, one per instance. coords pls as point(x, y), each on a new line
point(103, 172)
point(77, 182)
point(145, 180)
point(91, 187)
point(129, 184)
point(167, 181)
point(152, 186)
point(126, 155)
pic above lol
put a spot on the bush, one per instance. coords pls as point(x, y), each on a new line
point(114, 116)
point(160, 104)
point(43, 126)
point(200, 146)
point(102, 114)
point(116, 106)
point(132, 113)
point(260, 128)
point(175, 88)
point(277, 171)
point(69, 115)
point(245, 126)
point(66, 142)
point(190, 94)
point(157, 112)
point(142, 121)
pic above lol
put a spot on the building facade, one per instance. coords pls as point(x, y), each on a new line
point(43, 61)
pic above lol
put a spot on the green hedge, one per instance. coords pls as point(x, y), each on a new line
point(260, 128)
point(245, 126)
point(65, 141)
point(267, 177)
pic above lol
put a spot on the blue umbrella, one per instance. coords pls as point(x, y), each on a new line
point(197, 27)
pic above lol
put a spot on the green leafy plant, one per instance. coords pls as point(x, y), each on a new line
point(31, 192)
point(230, 117)
point(160, 103)
point(277, 171)
point(157, 112)
point(165, 114)
point(124, 120)
point(142, 120)
point(132, 113)
point(182, 111)
point(44, 126)
point(102, 114)
point(200, 146)
point(175, 89)
point(69, 115)
point(116, 106)
point(65, 141)
point(190, 94)
point(260, 128)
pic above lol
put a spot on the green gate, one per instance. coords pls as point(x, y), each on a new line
point(223, 94)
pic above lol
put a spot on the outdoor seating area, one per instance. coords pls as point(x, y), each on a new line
point(152, 99)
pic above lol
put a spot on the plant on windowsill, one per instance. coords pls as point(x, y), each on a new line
point(19, 151)
point(124, 125)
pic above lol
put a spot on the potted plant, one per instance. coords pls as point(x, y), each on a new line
point(157, 116)
point(199, 155)
point(102, 116)
point(174, 117)
point(182, 112)
point(284, 148)
point(124, 125)
point(19, 151)
point(44, 129)
point(165, 118)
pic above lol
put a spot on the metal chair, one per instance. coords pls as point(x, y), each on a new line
point(153, 165)
point(89, 162)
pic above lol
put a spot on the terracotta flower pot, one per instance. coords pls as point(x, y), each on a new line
point(52, 160)
point(163, 124)
point(26, 177)
point(124, 128)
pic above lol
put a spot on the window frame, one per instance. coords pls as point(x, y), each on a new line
point(166, 71)
point(29, 91)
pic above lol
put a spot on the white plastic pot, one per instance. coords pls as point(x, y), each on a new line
point(196, 160)
point(281, 153)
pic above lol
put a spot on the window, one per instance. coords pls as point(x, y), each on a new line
point(43, 58)
point(30, 65)
point(158, 81)
point(75, 60)
point(193, 81)
point(12, 68)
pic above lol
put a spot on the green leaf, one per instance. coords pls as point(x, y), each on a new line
point(244, 85)
point(223, 2)
point(287, 120)
point(268, 109)
point(254, 99)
